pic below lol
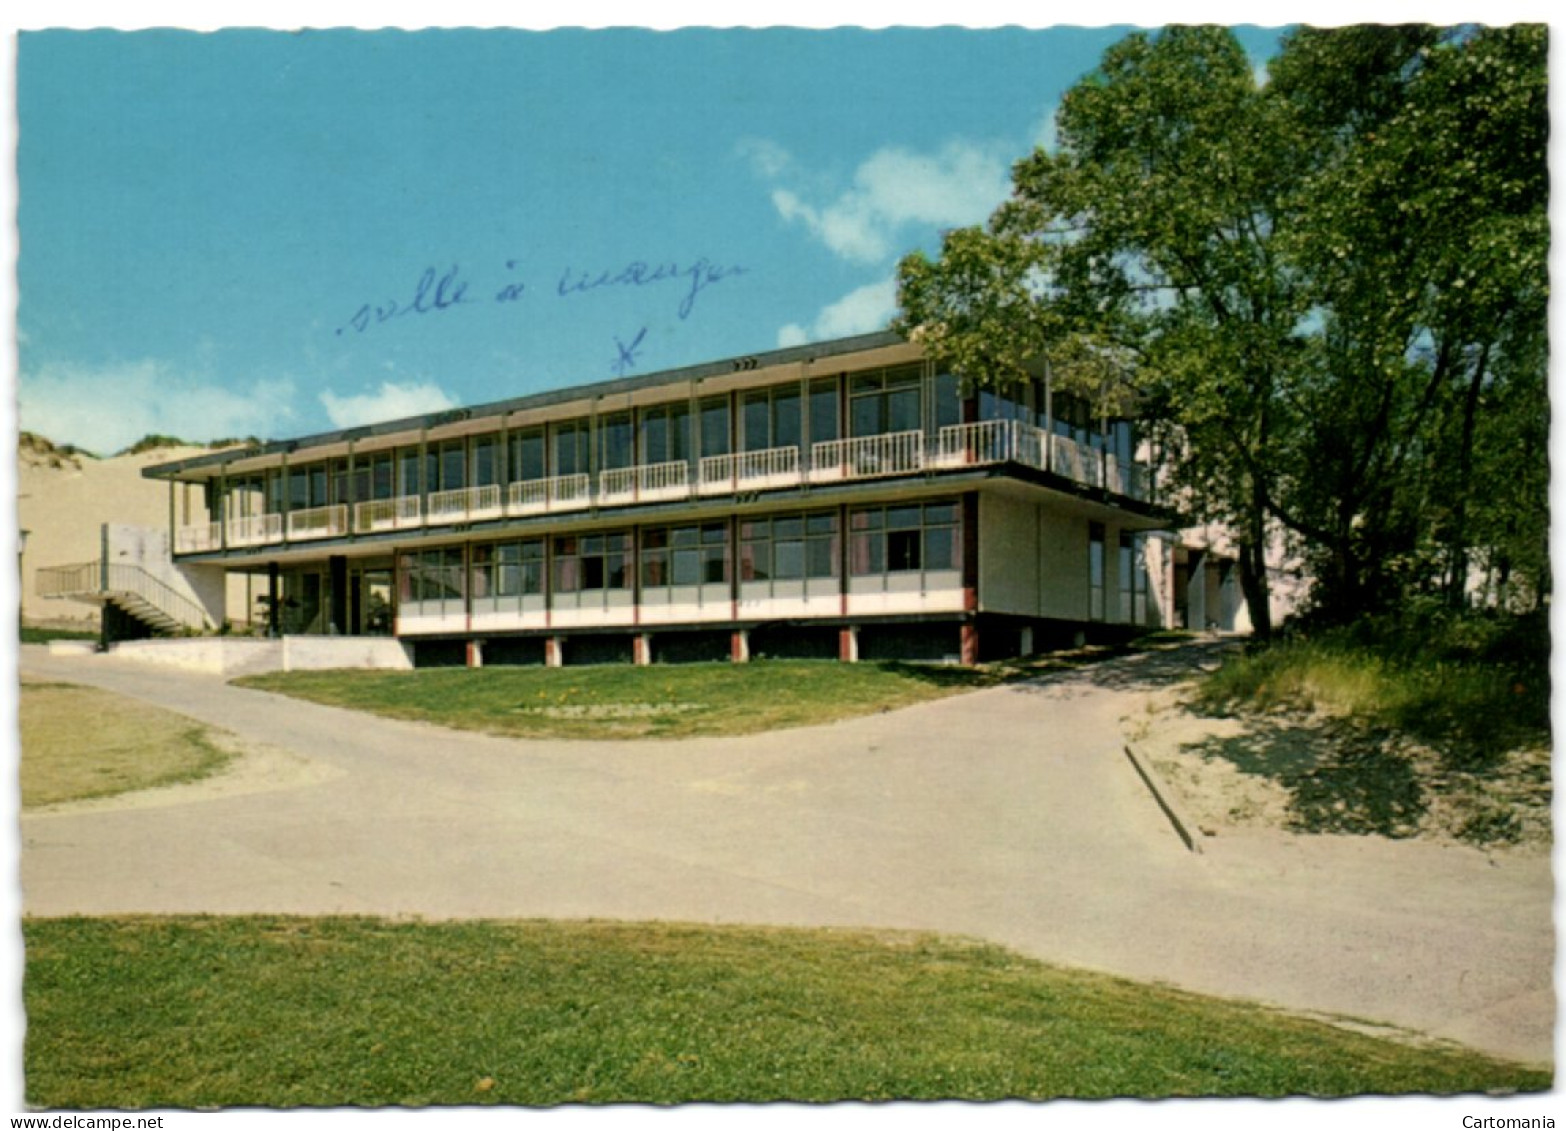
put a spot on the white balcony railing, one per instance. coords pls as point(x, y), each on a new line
point(318, 522)
point(464, 504)
point(985, 441)
point(538, 496)
point(1076, 461)
point(867, 457)
point(401, 513)
point(750, 471)
point(255, 529)
point(198, 538)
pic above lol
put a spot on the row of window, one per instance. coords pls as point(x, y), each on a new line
point(793, 415)
point(890, 539)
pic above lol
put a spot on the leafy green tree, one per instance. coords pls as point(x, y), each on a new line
point(1327, 289)
point(1152, 233)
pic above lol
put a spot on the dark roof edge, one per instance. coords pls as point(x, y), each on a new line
point(811, 351)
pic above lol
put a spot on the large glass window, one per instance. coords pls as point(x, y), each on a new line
point(408, 471)
point(789, 547)
point(486, 469)
point(507, 569)
point(771, 419)
point(433, 579)
point(884, 401)
point(527, 455)
point(666, 432)
point(1096, 565)
point(948, 400)
point(685, 555)
point(453, 467)
point(715, 427)
point(588, 562)
point(902, 539)
point(824, 413)
point(569, 443)
point(614, 441)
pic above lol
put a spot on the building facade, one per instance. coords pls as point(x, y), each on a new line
point(843, 499)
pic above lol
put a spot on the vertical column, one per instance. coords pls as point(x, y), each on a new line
point(970, 643)
point(554, 651)
point(274, 612)
point(739, 646)
point(848, 644)
point(337, 608)
point(475, 655)
point(641, 649)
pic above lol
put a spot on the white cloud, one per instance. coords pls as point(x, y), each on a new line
point(1047, 135)
point(769, 159)
point(107, 408)
point(893, 191)
point(391, 402)
point(860, 311)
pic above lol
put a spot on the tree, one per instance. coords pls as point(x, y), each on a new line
point(1153, 231)
point(1330, 286)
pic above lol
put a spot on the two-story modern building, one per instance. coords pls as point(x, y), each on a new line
point(844, 499)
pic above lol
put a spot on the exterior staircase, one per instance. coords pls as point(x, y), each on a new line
point(129, 588)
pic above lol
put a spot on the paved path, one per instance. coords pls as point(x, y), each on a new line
point(1009, 814)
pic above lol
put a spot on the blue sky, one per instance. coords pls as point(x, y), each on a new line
point(273, 233)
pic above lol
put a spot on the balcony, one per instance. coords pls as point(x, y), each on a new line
point(379, 515)
point(646, 483)
point(867, 457)
point(464, 504)
point(255, 530)
point(749, 471)
point(956, 446)
point(199, 538)
point(317, 522)
point(544, 496)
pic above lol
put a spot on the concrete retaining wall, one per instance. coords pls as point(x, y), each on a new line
point(236, 656)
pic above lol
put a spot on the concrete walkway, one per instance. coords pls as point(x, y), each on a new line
point(1009, 814)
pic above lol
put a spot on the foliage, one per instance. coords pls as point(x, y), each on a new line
point(1473, 686)
point(286, 1012)
point(1326, 290)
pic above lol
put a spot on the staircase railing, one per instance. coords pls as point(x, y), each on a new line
point(91, 579)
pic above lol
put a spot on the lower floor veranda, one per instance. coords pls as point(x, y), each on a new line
point(959, 577)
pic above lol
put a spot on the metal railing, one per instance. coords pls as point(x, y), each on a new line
point(749, 471)
point(867, 457)
point(399, 513)
point(954, 446)
point(462, 504)
point(645, 483)
point(255, 530)
point(196, 539)
point(92, 581)
point(318, 522)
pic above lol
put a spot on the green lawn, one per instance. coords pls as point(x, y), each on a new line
point(188, 1012)
point(622, 701)
point(661, 700)
point(83, 742)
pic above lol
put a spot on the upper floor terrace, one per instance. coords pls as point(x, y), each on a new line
point(861, 409)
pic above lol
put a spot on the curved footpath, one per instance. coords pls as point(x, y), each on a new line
point(1010, 814)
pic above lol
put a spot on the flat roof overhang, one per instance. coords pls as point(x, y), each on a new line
point(817, 359)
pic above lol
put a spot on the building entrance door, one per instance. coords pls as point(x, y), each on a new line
point(370, 602)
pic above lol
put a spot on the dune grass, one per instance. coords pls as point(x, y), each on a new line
point(82, 742)
point(197, 1012)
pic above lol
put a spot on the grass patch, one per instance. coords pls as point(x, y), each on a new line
point(80, 742)
point(622, 701)
point(1413, 713)
point(31, 635)
point(277, 1012)
point(614, 701)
